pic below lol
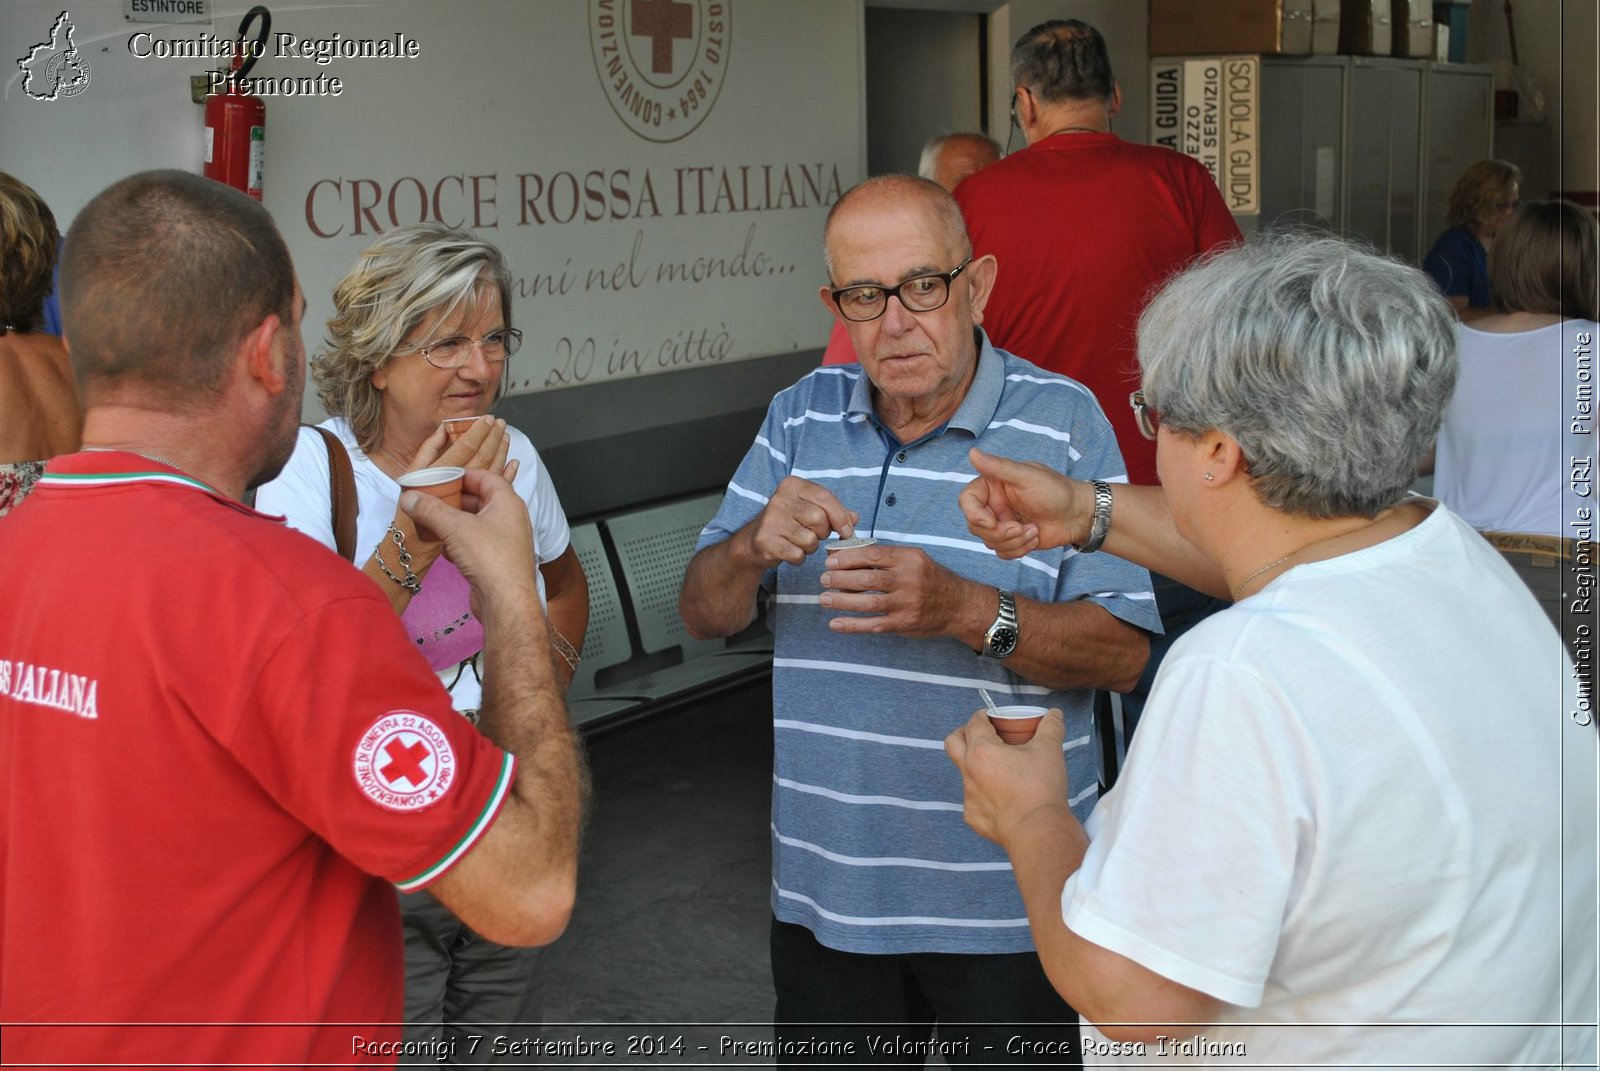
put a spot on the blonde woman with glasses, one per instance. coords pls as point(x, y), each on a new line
point(421, 334)
point(1481, 202)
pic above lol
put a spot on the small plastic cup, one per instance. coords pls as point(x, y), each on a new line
point(442, 482)
point(455, 427)
point(1017, 724)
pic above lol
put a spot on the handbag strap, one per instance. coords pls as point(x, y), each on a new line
point(342, 484)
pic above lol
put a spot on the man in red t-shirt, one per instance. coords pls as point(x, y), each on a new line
point(219, 752)
point(1086, 227)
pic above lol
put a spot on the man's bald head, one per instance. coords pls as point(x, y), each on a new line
point(952, 157)
point(897, 192)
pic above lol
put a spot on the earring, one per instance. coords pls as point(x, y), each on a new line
point(1209, 477)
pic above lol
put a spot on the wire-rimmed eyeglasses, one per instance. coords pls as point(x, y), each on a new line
point(455, 351)
point(920, 293)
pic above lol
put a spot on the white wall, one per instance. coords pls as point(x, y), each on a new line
point(1556, 44)
point(1580, 96)
point(507, 102)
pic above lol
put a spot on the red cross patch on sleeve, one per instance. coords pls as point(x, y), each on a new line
point(404, 762)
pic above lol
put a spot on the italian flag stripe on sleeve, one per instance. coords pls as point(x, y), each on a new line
point(508, 767)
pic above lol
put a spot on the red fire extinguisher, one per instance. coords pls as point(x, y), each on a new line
point(236, 123)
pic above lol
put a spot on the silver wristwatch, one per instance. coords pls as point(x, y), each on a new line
point(1101, 524)
point(1001, 639)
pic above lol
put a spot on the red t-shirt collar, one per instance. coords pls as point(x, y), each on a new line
point(93, 468)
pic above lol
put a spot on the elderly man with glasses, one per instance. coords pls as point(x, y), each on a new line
point(886, 908)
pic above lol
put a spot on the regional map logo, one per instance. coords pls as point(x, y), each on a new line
point(404, 762)
point(662, 62)
point(55, 68)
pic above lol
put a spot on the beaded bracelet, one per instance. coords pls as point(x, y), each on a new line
point(410, 583)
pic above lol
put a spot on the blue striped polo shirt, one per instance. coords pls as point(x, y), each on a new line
point(869, 848)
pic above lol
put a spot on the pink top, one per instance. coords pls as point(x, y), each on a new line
point(439, 618)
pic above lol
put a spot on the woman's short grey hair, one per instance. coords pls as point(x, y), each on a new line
point(1330, 365)
point(397, 283)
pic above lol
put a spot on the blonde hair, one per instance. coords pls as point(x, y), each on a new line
point(1543, 260)
point(409, 274)
point(28, 241)
point(1473, 196)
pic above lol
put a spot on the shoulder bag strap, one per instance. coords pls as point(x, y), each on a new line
point(342, 484)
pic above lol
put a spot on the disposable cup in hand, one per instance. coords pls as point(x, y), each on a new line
point(442, 482)
point(456, 427)
point(1016, 724)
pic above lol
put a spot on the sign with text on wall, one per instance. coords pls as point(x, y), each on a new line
point(654, 170)
point(1208, 108)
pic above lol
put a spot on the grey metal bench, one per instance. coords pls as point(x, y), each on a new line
point(652, 549)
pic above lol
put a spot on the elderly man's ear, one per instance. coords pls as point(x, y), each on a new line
point(980, 278)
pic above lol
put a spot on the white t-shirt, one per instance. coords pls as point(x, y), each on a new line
point(301, 494)
point(1359, 797)
point(1504, 459)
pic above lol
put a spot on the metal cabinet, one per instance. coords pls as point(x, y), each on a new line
point(1303, 103)
point(1369, 147)
point(1385, 153)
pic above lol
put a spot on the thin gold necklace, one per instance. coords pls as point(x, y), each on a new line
point(1264, 568)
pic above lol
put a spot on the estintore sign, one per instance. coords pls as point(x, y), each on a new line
point(166, 10)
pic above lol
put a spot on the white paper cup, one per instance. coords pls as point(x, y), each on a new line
point(1017, 724)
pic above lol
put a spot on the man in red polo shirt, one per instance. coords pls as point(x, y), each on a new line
point(219, 753)
point(1086, 227)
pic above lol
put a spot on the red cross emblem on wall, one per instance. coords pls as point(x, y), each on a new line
point(663, 21)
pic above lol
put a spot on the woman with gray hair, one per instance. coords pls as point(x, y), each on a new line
point(421, 335)
point(1366, 787)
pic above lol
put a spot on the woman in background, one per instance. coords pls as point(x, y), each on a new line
point(1505, 453)
point(421, 333)
point(1481, 202)
point(40, 415)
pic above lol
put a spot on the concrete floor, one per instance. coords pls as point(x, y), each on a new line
point(671, 922)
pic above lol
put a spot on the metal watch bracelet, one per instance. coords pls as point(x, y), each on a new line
point(1100, 526)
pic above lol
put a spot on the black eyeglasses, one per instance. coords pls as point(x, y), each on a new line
point(456, 351)
point(920, 293)
point(1147, 416)
point(1012, 129)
